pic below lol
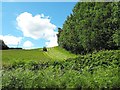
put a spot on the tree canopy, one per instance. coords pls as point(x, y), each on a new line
point(91, 26)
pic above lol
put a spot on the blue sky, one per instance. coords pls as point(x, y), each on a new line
point(33, 24)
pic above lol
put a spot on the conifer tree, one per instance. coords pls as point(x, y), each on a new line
point(91, 26)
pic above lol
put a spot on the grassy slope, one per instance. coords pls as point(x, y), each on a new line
point(56, 53)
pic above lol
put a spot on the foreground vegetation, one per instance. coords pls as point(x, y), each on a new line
point(97, 70)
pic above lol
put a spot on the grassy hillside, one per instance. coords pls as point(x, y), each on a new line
point(61, 69)
point(53, 54)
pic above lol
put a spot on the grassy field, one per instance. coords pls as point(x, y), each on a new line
point(58, 68)
point(53, 54)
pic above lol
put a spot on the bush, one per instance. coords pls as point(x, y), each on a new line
point(45, 49)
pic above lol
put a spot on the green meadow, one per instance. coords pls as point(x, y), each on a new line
point(38, 55)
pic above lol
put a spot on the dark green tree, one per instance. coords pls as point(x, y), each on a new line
point(91, 26)
point(45, 49)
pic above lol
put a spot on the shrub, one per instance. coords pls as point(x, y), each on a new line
point(45, 49)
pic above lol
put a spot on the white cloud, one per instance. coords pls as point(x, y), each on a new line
point(36, 27)
point(28, 44)
point(11, 40)
point(52, 42)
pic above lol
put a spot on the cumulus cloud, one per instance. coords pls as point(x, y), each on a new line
point(11, 40)
point(52, 41)
point(36, 27)
point(28, 44)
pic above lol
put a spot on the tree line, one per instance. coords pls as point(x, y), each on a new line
point(3, 46)
point(91, 26)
